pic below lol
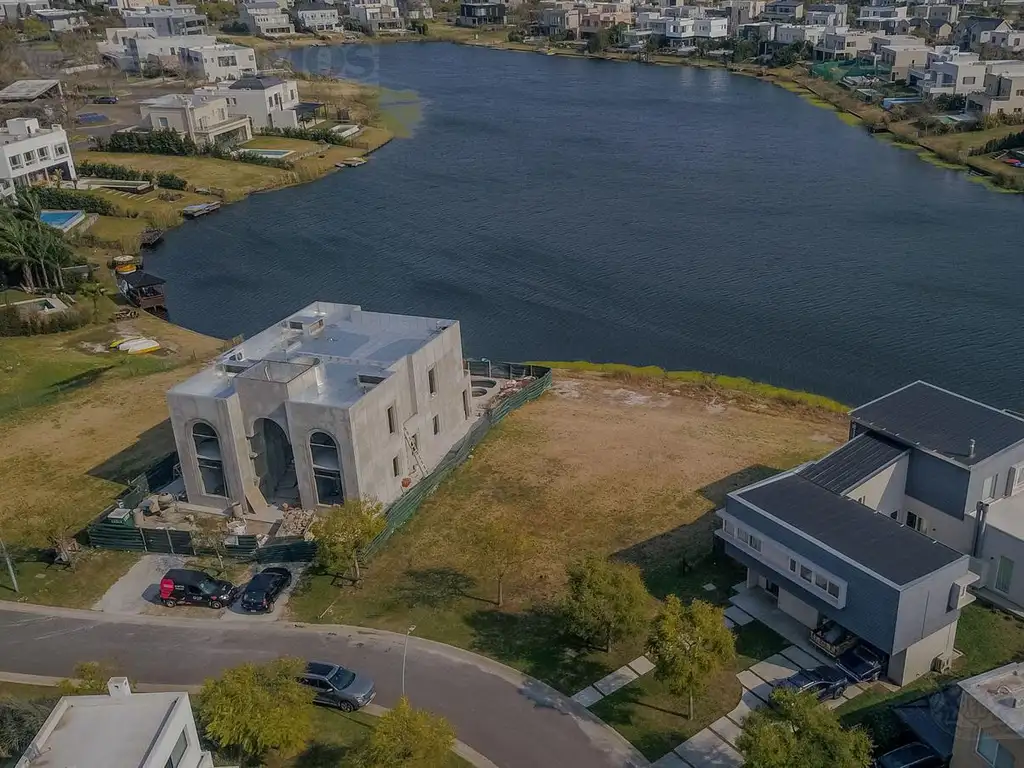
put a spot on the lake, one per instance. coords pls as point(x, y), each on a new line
point(565, 209)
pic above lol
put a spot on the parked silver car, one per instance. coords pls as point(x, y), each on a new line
point(338, 687)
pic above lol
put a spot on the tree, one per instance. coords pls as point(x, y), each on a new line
point(20, 720)
point(93, 291)
point(598, 41)
point(605, 601)
point(343, 531)
point(34, 29)
point(501, 549)
point(406, 738)
point(208, 532)
point(90, 678)
point(254, 708)
point(799, 731)
point(689, 644)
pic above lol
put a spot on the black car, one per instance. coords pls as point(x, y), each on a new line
point(338, 687)
point(861, 664)
point(181, 586)
point(915, 755)
point(823, 682)
point(105, 100)
point(263, 589)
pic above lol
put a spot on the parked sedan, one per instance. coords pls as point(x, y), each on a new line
point(338, 687)
point(105, 100)
point(915, 755)
point(823, 682)
point(263, 589)
point(861, 664)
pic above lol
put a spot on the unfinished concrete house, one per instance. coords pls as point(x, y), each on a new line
point(331, 403)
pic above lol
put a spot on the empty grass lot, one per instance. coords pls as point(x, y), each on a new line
point(78, 421)
point(595, 466)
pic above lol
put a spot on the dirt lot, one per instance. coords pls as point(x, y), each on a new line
point(595, 466)
point(66, 457)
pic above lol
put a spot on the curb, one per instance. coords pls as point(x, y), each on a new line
point(542, 694)
point(464, 751)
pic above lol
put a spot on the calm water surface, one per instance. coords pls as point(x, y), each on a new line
point(566, 209)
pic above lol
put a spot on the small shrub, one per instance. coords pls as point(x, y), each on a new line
point(322, 135)
point(171, 181)
point(18, 322)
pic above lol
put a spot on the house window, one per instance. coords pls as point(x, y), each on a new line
point(992, 752)
point(833, 590)
point(432, 380)
point(44, 153)
point(820, 581)
point(15, 161)
point(969, 81)
point(62, 149)
point(988, 488)
point(755, 543)
point(465, 406)
point(392, 420)
point(1004, 575)
point(1018, 479)
point(728, 527)
point(793, 565)
point(437, 425)
point(806, 573)
point(743, 536)
point(162, 122)
point(396, 468)
point(916, 522)
point(326, 461)
point(209, 460)
point(180, 748)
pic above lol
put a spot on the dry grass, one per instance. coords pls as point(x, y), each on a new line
point(67, 458)
point(233, 177)
point(595, 466)
point(119, 231)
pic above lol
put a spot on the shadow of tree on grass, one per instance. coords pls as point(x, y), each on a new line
point(433, 588)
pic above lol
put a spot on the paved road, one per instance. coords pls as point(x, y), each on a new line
point(513, 720)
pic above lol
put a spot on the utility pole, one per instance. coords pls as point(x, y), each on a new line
point(10, 566)
point(405, 653)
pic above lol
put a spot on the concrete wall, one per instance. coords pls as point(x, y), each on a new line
point(924, 605)
point(957, 533)
point(884, 491)
point(997, 543)
point(916, 660)
point(972, 718)
point(798, 609)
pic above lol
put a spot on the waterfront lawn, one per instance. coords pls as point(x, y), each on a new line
point(118, 230)
point(988, 638)
point(236, 179)
point(587, 470)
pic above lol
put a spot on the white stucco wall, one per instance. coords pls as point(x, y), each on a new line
point(798, 609)
point(917, 660)
point(883, 492)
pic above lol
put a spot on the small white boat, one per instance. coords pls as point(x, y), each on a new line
point(354, 161)
point(139, 346)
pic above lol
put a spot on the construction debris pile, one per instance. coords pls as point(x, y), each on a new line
point(296, 522)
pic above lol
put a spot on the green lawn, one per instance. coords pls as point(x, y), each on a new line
point(655, 721)
point(987, 637)
point(40, 582)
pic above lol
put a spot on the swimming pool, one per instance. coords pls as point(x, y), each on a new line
point(271, 153)
point(62, 220)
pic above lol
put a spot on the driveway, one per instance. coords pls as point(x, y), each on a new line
point(515, 721)
point(138, 592)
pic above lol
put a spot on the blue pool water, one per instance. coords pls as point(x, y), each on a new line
point(271, 152)
point(63, 220)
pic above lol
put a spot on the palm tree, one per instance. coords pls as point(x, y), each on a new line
point(15, 248)
point(93, 291)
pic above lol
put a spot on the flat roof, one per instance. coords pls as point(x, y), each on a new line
point(103, 731)
point(26, 90)
point(875, 541)
point(349, 342)
point(854, 462)
point(997, 690)
point(942, 422)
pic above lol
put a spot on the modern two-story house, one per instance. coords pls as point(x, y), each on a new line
point(332, 403)
point(926, 499)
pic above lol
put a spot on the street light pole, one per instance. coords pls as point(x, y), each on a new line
point(10, 566)
point(405, 652)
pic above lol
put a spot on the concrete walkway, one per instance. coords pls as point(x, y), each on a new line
point(715, 746)
point(464, 751)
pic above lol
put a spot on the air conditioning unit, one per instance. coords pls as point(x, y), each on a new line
point(942, 663)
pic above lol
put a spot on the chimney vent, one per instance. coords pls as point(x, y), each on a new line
point(971, 446)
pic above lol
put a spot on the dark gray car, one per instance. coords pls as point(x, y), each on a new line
point(338, 687)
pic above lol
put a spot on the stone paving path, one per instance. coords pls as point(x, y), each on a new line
point(715, 746)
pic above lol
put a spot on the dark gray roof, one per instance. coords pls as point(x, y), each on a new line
point(854, 462)
point(984, 22)
point(255, 83)
point(315, 7)
point(873, 540)
point(140, 279)
point(928, 417)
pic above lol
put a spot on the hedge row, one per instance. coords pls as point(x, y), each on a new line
point(72, 200)
point(16, 322)
point(1013, 141)
point(309, 134)
point(124, 173)
point(169, 142)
